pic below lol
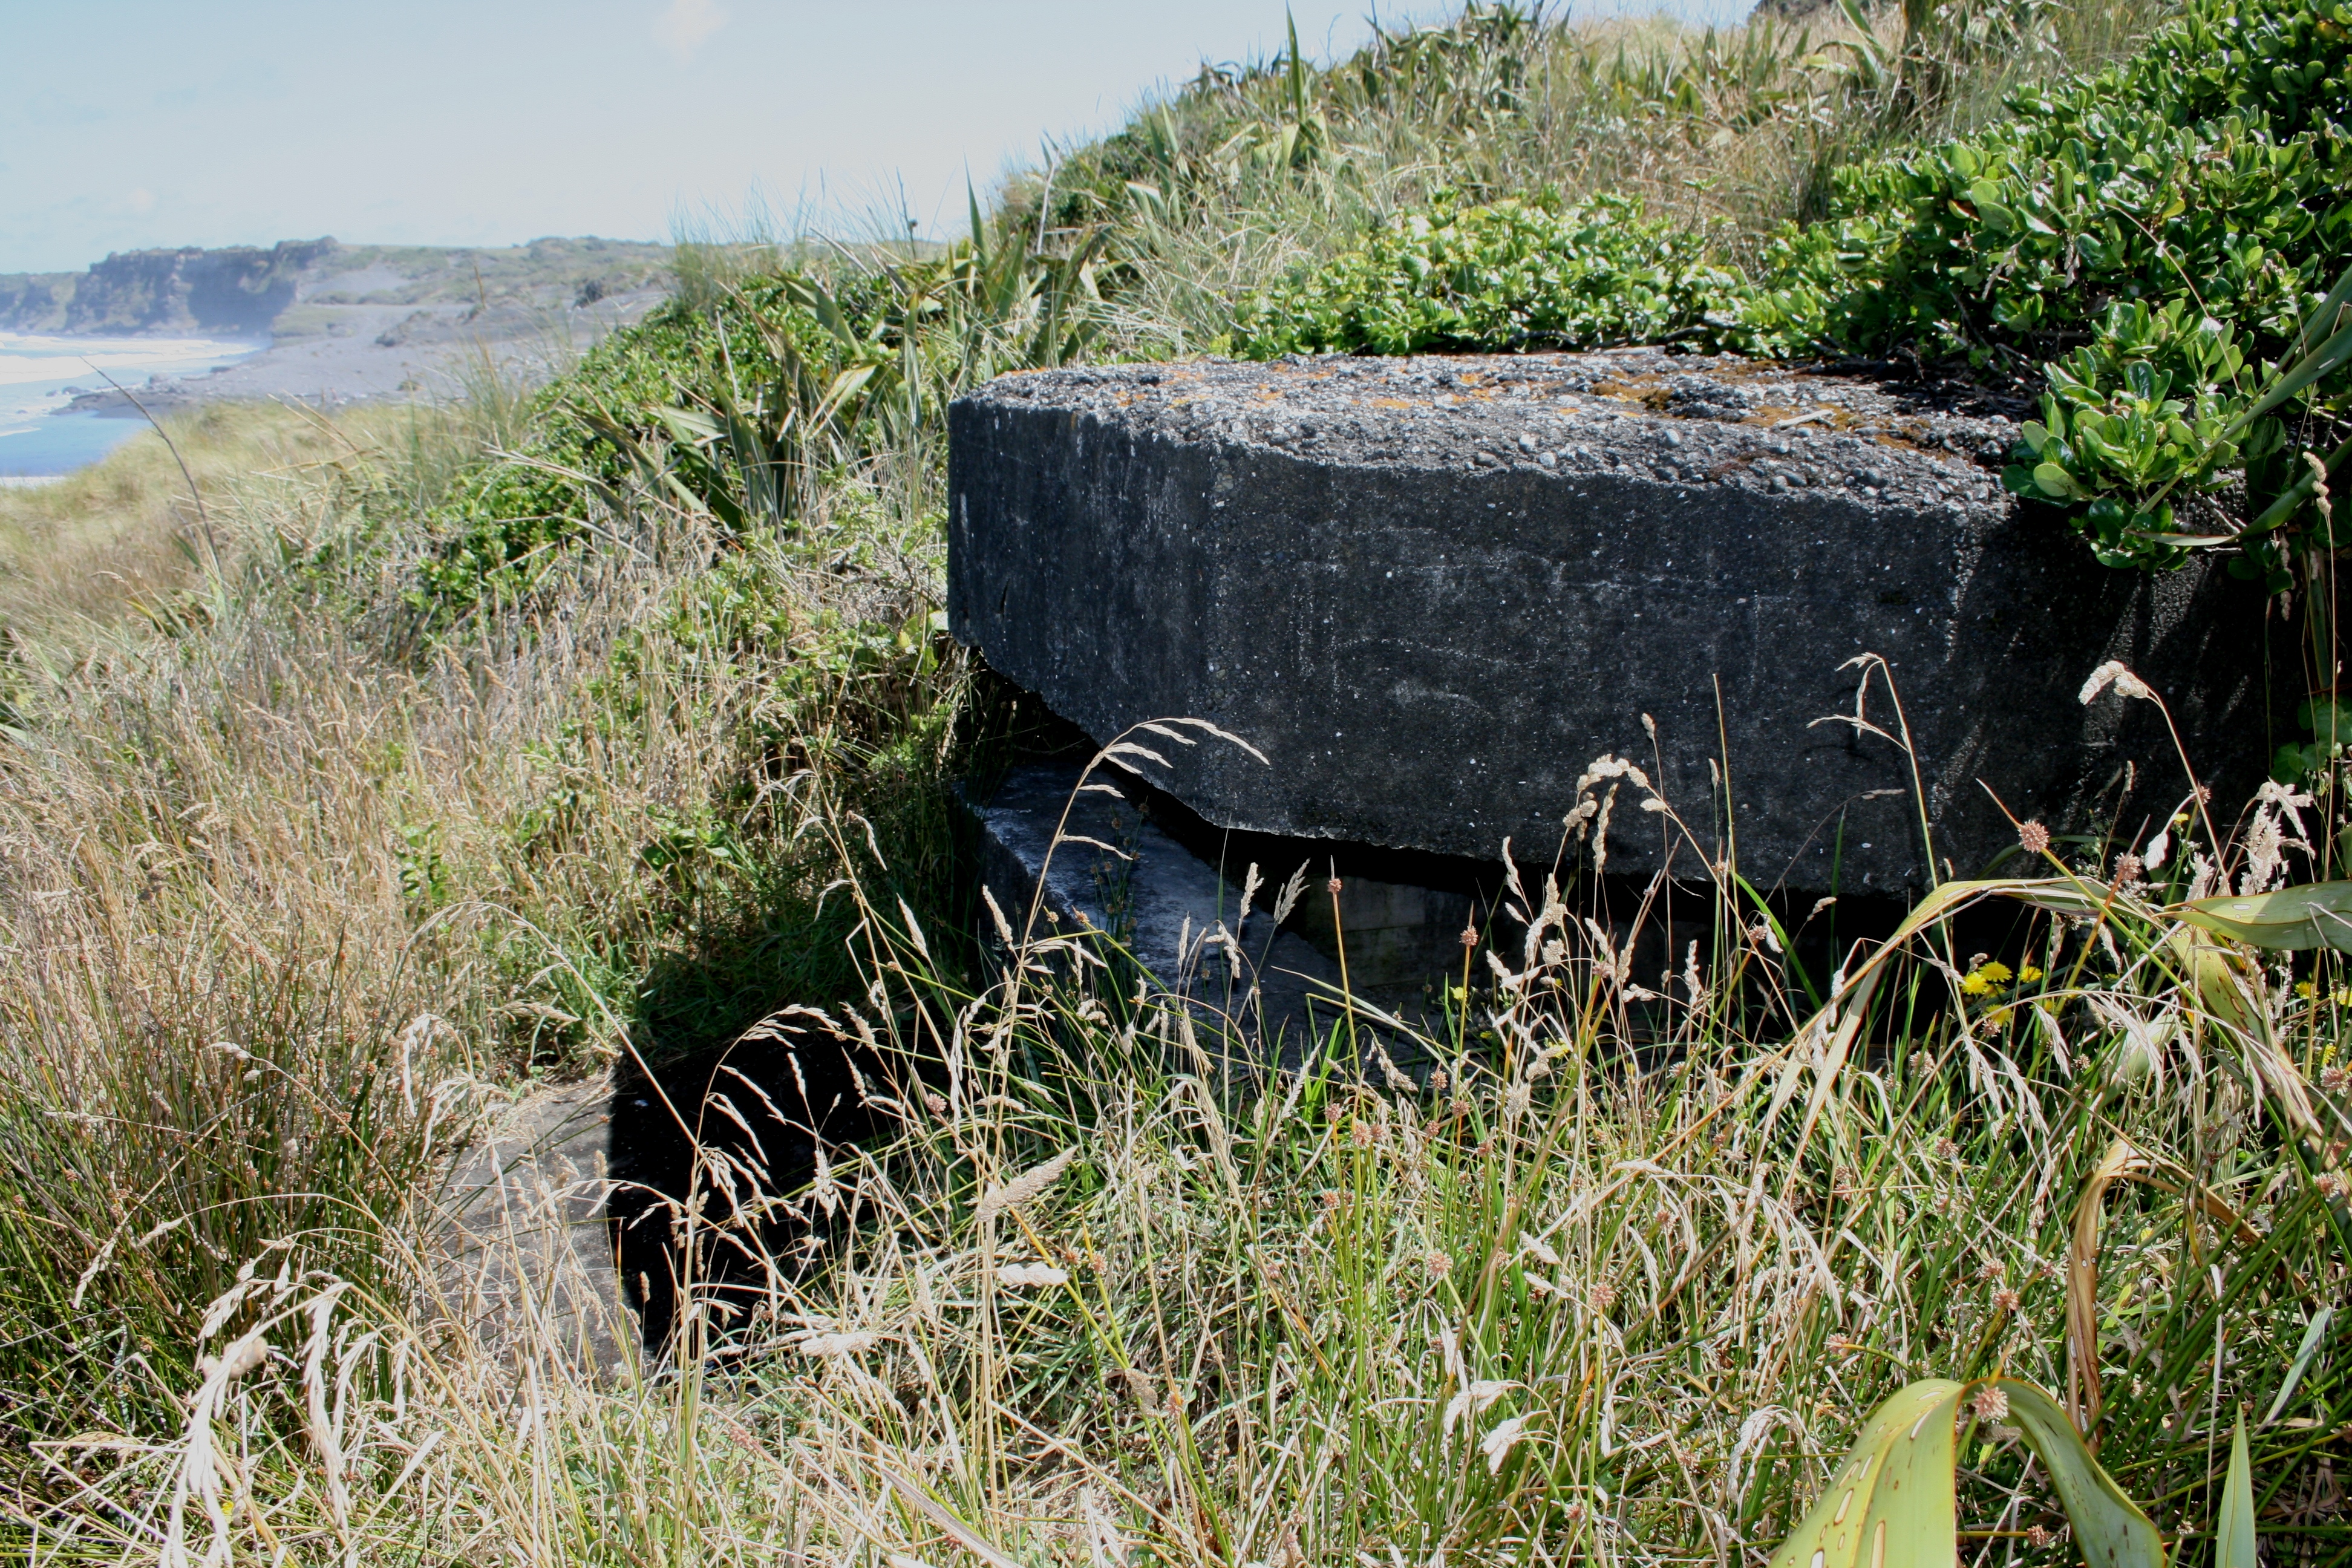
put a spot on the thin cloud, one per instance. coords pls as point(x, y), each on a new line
point(685, 26)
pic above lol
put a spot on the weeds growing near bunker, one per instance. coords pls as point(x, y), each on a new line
point(284, 901)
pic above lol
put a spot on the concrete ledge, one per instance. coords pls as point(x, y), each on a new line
point(1165, 908)
point(527, 1263)
point(1434, 590)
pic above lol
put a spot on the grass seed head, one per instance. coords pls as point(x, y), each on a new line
point(2116, 674)
point(1024, 1186)
point(1032, 1275)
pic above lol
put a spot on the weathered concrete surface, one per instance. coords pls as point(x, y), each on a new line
point(1434, 590)
point(528, 1262)
point(1261, 1000)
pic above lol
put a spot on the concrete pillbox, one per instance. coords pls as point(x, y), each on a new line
point(1432, 591)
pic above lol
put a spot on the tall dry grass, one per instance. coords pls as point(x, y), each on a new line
point(1578, 1297)
point(126, 533)
point(285, 903)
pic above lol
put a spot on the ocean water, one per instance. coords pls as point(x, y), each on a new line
point(38, 373)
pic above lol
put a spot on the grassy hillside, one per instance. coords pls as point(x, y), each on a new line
point(449, 750)
point(549, 271)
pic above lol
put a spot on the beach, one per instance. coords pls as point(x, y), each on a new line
point(42, 434)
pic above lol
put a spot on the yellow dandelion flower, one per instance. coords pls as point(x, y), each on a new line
point(2028, 975)
point(1996, 972)
point(2305, 989)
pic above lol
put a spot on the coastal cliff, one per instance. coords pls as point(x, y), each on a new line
point(237, 291)
point(302, 288)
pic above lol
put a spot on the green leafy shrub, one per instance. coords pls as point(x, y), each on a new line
point(2149, 244)
point(605, 430)
point(741, 404)
point(2148, 239)
point(1512, 275)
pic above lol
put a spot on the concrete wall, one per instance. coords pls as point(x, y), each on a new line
point(1432, 591)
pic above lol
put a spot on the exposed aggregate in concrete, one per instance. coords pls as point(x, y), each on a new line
point(1726, 421)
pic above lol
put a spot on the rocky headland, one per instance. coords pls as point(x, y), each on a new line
point(346, 322)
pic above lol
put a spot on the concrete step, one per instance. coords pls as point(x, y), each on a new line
point(1060, 861)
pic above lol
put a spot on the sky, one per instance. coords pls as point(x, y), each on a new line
point(133, 123)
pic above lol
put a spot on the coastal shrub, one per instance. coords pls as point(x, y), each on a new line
point(599, 432)
point(1256, 169)
point(1510, 275)
point(2148, 239)
point(2145, 244)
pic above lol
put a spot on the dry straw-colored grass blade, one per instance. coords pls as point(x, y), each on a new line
point(2083, 1397)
